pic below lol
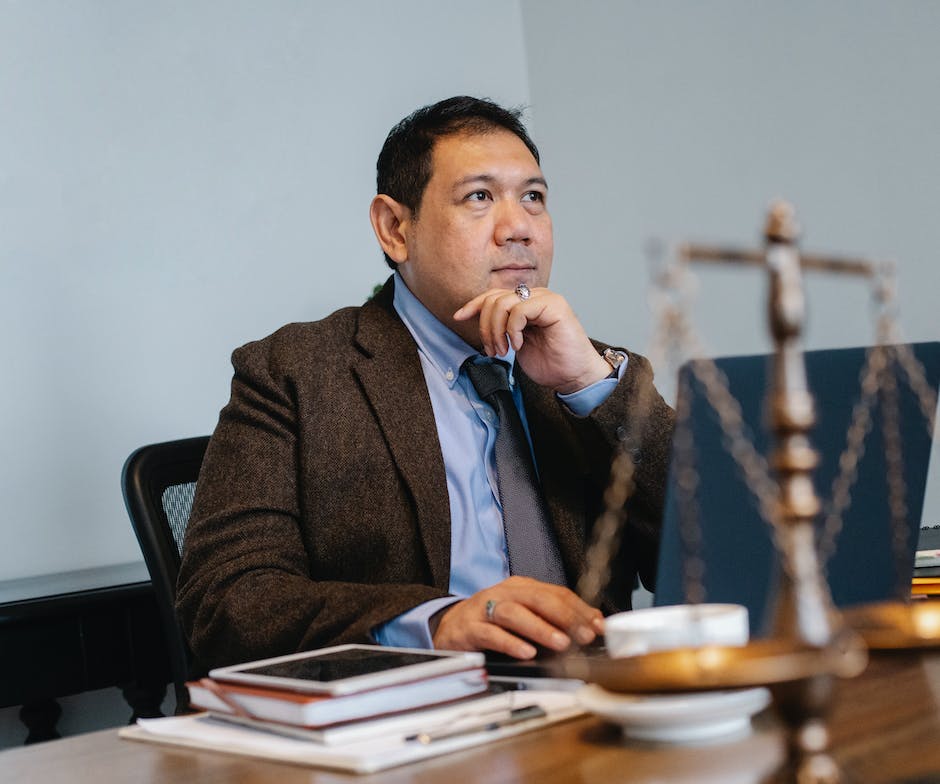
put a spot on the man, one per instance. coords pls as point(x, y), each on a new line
point(350, 492)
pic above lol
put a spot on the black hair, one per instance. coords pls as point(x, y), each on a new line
point(403, 168)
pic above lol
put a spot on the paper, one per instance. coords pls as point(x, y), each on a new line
point(359, 754)
point(926, 558)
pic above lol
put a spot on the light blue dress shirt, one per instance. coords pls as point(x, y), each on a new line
point(466, 428)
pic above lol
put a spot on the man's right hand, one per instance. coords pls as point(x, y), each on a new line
point(522, 611)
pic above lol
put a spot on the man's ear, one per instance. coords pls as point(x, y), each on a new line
point(389, 221)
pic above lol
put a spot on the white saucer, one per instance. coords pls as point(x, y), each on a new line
point(698, 717)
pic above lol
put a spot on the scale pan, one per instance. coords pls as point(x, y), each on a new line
point(895, 625)
point(759, 663)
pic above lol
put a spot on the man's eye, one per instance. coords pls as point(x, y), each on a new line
point(478, 196)
point(533, 196)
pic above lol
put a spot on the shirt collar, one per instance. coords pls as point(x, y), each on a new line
point(440, 345)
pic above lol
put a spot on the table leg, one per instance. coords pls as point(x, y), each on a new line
point(40, 718)
point(144, 699)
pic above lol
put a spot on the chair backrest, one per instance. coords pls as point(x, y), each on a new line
point(159, 482)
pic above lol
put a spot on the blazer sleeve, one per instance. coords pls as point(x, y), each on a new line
point(245, 588)
point(636, 415)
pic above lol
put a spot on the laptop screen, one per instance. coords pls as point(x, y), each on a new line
point(739, 556)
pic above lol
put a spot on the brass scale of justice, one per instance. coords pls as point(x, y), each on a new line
point(810, 643)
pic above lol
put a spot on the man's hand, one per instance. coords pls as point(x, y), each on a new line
point(551, 345)
point(522, 609)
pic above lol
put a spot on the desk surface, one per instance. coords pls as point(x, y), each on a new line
point(885, 725)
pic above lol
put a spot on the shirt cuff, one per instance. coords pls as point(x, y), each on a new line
point(584, 401)
point(410, 629)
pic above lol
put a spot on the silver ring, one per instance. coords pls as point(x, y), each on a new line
point(491, 610)
point(522, 291)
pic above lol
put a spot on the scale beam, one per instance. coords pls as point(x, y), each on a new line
point(842, 265)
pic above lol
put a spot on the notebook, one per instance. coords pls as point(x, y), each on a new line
point(740, 560)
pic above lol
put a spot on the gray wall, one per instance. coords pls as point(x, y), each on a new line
point(177, 178)
point(683, 120)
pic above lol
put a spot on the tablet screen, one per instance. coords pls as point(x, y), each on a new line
point(346, 669)
point(339, 665)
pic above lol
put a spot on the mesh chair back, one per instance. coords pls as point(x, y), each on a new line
point(177, 502)
point(159, 482)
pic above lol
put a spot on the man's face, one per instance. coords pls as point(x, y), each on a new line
point(482, 223)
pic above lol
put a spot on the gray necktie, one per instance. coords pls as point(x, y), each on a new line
point(529, 538)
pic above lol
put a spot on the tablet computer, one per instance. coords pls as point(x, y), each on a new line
point(347, 669)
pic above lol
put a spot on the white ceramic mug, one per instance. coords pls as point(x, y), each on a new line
point(677, 626)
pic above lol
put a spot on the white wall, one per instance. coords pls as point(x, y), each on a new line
point(683, 120)
point(177, 178)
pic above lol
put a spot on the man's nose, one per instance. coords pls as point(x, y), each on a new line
point(513, 223)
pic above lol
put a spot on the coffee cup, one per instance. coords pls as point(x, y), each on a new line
point(676, 626)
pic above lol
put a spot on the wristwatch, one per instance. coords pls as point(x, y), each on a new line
point(615, 359)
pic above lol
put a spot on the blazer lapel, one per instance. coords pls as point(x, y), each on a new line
point(390, 375)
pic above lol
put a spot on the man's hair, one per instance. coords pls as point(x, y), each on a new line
point(403, 168)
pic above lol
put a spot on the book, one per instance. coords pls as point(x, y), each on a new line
point(925, 586)
point(319, 710)
point(924, 558)
point(452, 714)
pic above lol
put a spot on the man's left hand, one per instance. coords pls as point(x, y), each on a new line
point(551, 345)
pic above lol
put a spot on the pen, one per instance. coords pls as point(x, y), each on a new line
point(504, 683)
point(513, 717)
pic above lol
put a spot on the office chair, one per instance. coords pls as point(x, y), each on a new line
point(159, 482)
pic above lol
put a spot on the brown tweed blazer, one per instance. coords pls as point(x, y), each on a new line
point(322, 510)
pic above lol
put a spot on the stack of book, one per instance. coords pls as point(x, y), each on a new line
point(318, 694)
point(355, 708)
point(926, 581)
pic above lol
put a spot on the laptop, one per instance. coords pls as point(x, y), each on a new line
point(741, 565)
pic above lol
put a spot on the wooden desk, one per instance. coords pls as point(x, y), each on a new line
point(886, 727)
point(77, 631)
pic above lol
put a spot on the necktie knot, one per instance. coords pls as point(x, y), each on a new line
point(488, 377)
